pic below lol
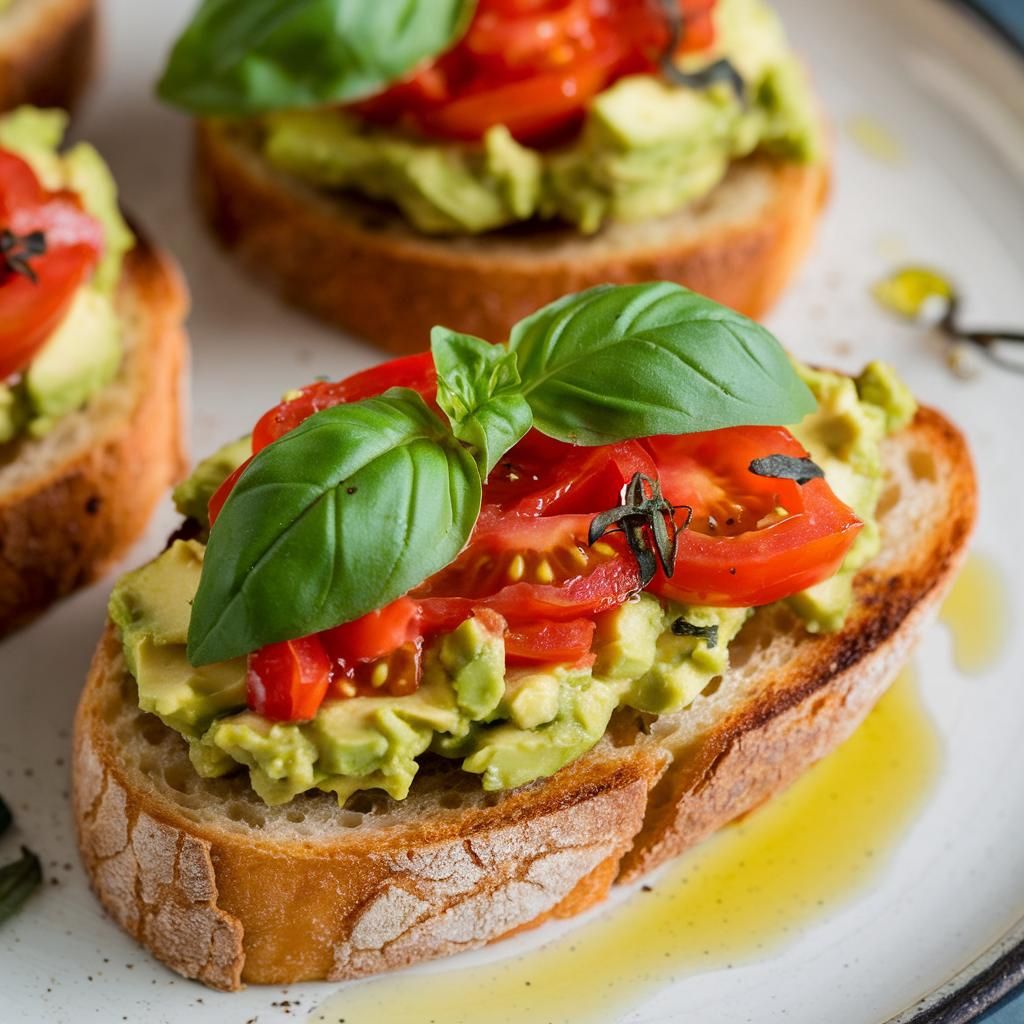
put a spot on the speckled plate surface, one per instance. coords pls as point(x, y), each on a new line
point(928, 113)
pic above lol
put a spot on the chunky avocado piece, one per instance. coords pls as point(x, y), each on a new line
point(151, 607)
point(441, 189)
point(880, 385)
point(280, 757)
point(647, 147)
point(626, 638)
point(823, 607)
point(506, 756)
point(473, 656)
point(80, 358)
point(532, 697)
point(684, 665)
point(192, 496)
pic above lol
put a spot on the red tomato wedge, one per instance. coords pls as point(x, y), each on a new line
point(563, 643)
point(287, 682)
point(752, 539)
point(376, 634)
point(530, 568)
point(33, 302)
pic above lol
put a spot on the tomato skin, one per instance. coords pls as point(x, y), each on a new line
point(375, 634)
point(550, 642)
point(545, 477)
point(416, 372)
point(287, 681)
point(601, 584)
point(730, 556)
point(30, 310)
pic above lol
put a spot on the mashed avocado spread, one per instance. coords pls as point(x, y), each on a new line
point(647, 147)
point(507, 725)
point(84, 352)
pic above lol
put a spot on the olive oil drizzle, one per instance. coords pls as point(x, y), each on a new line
point(738, 897)
point(977, 615)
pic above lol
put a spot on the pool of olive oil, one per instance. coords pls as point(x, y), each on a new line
point(737, 897)
point(977, 614)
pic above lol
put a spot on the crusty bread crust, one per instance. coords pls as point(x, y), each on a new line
point(362, 268)
point(47, 52)
point(226, 904)
point(71, 504)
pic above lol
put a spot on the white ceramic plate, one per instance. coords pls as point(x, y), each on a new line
point(949, 193)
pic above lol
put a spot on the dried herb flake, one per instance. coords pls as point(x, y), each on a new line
point(787, 467)
point(17, 250)
point(649, 524)
point(709, 634)
point(722, 70)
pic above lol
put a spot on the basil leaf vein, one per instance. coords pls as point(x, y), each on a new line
point(613, 363)
point(243, 57)
point(339, 517)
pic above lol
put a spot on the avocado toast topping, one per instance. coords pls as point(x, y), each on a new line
point(522, 602)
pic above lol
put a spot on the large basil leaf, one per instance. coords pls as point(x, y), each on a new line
point(241, 57)
point(345, 513)
point(478, 388)
point(630, 361)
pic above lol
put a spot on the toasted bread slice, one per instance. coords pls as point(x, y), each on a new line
point(73, 501)
point(360, 266)
point(225, 889)
point(47, 52)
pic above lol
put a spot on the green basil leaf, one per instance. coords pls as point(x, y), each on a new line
point(478, 388)
point(242, 57)
point(18, 880)
point(340, 516)
point(618, 362)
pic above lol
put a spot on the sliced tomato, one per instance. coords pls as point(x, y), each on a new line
point(287, 682)
point(416, 372)
point(542, 476)
point(751, 539)
point(33, 304)
point(565, 643)
point(529, 569)
point(536, 109)
point(374, 635)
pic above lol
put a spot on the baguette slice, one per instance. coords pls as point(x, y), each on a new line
point(47, 52)
point(361, 267)
point(73, 501)
point(225, 889)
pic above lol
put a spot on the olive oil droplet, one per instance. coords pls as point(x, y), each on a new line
point(875, 139)
point(906, 292)
point(977, 614)
point(734, 898)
